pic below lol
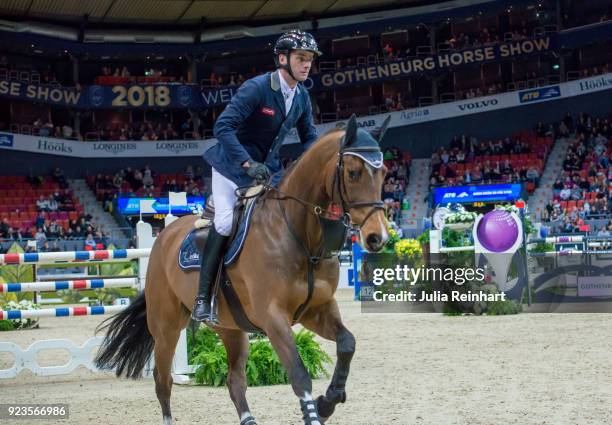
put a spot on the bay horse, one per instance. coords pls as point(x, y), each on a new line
point(270, 277)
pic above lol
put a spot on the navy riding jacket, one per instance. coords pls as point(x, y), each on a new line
point(253, 126)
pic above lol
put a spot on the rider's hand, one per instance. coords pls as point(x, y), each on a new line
point(257, 170)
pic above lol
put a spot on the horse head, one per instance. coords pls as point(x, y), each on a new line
point(360, 177)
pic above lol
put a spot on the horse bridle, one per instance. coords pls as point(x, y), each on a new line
point(339, 177)
point(338, 182)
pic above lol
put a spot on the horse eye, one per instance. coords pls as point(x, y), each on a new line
point(354, 175)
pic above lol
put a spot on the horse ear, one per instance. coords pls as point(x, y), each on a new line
point(379, 133)
point(351, 131)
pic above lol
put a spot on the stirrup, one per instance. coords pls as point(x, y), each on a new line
point(204, 312)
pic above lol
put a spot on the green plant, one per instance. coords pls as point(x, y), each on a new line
point(453, 238)
point(500, 308)
point(263, 365)
point(391, 241)
point(423, 238)
point(22, 305)
point(106, 296)
point(6, 325)
point(449, 310)
point(313, 357)
point(70, 296)
point(543, 247)
point(528, 226)
point(16, 273)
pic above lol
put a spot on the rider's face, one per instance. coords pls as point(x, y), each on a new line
point(301, 62)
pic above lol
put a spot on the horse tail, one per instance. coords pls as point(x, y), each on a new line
point(128, 344)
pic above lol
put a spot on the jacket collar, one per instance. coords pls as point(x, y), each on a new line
point(278, 94)
point(275, 81)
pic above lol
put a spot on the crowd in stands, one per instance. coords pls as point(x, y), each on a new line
point(396, 182)
point(515, 159)
point(116, 131)
point(123, 131)
point(135, 182)
point(150, 75)
point(44, 209)
point(582, 191)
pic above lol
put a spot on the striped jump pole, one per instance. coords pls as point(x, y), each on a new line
point(568, 252)
point(73, 256)
point(60, 312)
point(558, 239)
point(59, 285)
point(600, 244)
point(563, 253)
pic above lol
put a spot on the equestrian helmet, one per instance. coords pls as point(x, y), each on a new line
point(296, 40)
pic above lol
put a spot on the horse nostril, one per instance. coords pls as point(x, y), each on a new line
point(374, 240)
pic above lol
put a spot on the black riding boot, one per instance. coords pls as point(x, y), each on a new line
point(210, 258)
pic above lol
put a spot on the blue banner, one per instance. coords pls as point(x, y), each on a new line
point(111, 97)
point(477, 193)
point(542, 93)
point(6, 140)
point(131, 206)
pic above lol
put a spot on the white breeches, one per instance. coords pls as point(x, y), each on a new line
point(224, 199)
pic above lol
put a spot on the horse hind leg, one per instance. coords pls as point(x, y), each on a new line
point(237, 346)
point(162, 373)
point(325, 321)
point(166, 328)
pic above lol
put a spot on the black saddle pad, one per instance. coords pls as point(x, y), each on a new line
point(191, 247)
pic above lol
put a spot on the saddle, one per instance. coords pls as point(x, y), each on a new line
point(193, 244)
point(197, 237)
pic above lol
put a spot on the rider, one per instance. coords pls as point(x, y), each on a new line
point(250, 132)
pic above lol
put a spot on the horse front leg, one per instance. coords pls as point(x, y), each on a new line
point(281, 337)
point(325, 321)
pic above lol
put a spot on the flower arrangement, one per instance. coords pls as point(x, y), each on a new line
point(460, 217)
point(22, 305)
point(391, 241)
point(408, 248)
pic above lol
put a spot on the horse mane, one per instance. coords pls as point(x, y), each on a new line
point(315, 146)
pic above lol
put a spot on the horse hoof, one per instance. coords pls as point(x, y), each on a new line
point(325, 408)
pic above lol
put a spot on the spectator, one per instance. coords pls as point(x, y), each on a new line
point(90, 241)
point(40, 237)
point(52, 204)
